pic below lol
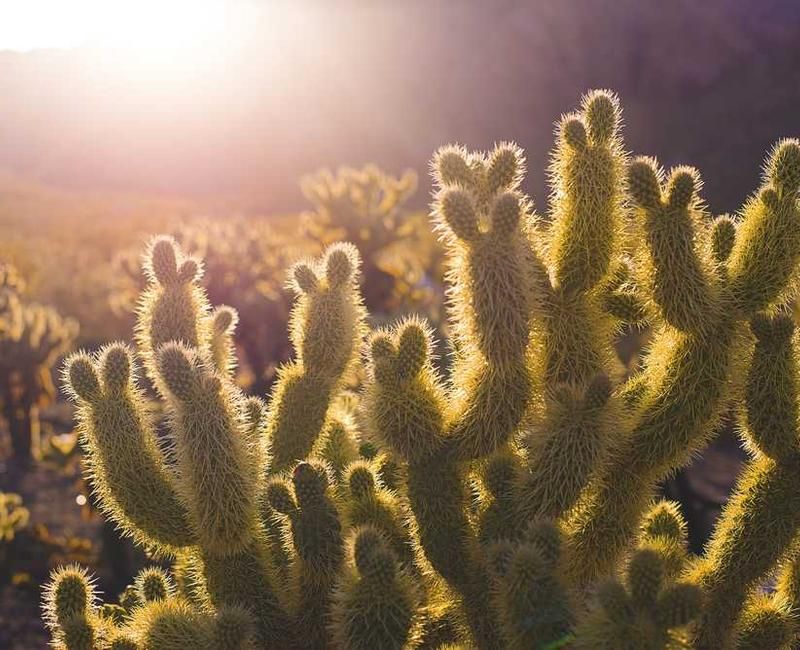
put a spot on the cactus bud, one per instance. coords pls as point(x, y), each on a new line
point(643, 182)
point(162, 260)
point(372, 557)
point(190, 271)
point(679, 605)
point(614, 600)
point(224, 319)
point(545, 537)
point(784, 166)
point(645, 576)
point(506, 212)
point(723, 236)
point(458, 210)
point(451, 167)
point(412, 350)
point(574, 133)
point(280, 498)
point(498, 556)
point(115, 367)
point(154, 584)
point(602, 115)
point(338, 266)
point(664, 519)
point(769, 197)
point(361, 480)
point(177, 370)
point(310, 482)
point(682, 187)
point(82, 377)
point(505, 167)
point(305, 279)
point(68, 595)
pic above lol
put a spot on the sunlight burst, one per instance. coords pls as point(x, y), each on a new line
point(144, 28)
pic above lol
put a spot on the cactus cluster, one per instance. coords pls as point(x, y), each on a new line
point(367, 207)
point(244, 261)
point(32, 338)
point(508, 505)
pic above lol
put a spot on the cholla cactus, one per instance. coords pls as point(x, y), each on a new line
point(32, 338)
point(13, 517)
point(508, 505)
point(245, 260)
point(367, 208)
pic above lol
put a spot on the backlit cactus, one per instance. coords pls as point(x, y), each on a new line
point(507, 504)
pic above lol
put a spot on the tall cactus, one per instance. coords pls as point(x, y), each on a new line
point(507, 505)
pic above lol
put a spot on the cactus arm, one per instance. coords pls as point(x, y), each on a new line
point(375, 603)
point(767, 621)
point(767, 245)
point(211, 450)
point(337, 445)
point(223, 351)
point(588, 275)
point(370, 504)
point(171, 624)
point(326, 328)
point(405, 404)
point(405, 399)
point(586, 172)
point(438, 499)
point(676, 275)
point(493, 276)
point(531, 599)
point(682, 403)
point(173, 307)
point(129, 474)
point(646, 612)
point(760, 521)
point(561, 463)
point(316, 535)
point(70, 609)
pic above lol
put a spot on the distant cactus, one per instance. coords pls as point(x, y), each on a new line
point(14, 517)
point(367, 208)
point(32, 337)
point(508, 505)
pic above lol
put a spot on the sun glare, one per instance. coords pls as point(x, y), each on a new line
point(148, 29)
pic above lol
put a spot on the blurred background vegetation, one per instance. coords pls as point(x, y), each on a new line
point(316, 125)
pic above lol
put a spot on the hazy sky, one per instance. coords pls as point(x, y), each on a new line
point(34, 24)
point(242, 98)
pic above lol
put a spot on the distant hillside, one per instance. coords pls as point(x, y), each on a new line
point(710, 83)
